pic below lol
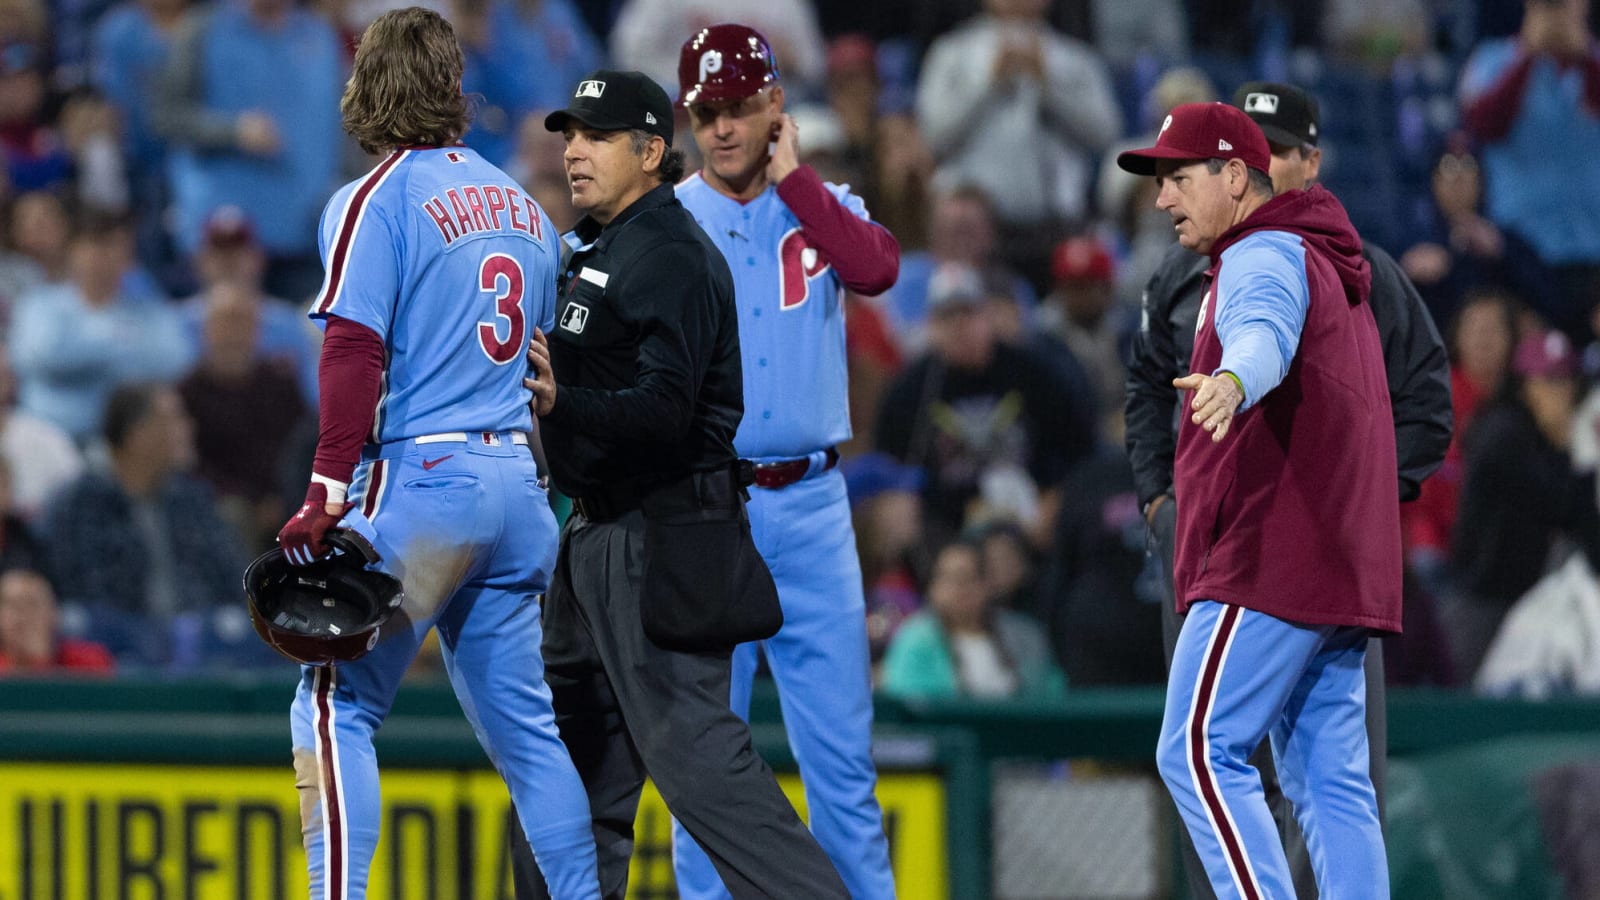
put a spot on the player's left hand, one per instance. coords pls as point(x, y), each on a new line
point(1216, 399)
point(302, 536)
point(543, 380)
point(784, 149)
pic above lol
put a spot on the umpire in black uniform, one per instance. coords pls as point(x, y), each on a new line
point(1419, 392)
point(639, 392)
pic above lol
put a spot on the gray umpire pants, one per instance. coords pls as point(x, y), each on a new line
point(1163, 533)
point(628, 708)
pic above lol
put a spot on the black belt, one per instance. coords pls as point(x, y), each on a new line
point(605, 506)
point(775, 475)
point(703, 488)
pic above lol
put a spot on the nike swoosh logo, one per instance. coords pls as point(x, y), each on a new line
point(430, 463)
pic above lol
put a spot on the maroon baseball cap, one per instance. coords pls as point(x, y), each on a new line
point(1197, 131)
point(1545, 354)
point(724, 62)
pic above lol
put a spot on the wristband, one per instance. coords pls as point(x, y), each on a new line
point(336, 489)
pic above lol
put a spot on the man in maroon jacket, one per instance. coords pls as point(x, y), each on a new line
point(1288, 549)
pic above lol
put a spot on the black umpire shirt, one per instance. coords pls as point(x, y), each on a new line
point(645, 352)
point(1413, 356)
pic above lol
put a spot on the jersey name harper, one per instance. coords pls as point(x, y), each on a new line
point(475, 208)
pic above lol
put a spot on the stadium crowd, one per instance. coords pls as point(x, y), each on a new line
point(165, 162)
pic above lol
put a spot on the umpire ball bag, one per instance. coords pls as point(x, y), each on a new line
point(327, 612)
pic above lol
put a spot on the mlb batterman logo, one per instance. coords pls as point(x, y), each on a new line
point(576, 317)
point(1266, 104)
point(590, 89)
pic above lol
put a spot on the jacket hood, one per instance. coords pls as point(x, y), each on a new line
point(1318, 217)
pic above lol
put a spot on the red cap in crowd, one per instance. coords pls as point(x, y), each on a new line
point(1545, 354)
point(229, 226)
point(1082, 259)
point(1196, 131)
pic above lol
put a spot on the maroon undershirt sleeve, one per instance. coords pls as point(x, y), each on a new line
point(1489, 117)
point(865, 254)
point(1591, 81)
point(348, 375)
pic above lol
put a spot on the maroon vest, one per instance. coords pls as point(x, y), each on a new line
point(1294, 513)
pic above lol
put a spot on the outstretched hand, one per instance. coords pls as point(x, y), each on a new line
point(1216, 399)
point(543, 380)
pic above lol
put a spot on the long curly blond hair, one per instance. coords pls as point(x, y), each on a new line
point(405, 86)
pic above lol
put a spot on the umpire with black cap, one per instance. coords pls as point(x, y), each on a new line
point(1419, 393)
point(639, 393)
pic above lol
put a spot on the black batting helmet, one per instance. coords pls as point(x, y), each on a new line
point(327, 612)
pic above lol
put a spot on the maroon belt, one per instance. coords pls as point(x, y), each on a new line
point(775, 475)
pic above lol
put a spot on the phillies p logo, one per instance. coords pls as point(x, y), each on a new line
point(710, 63)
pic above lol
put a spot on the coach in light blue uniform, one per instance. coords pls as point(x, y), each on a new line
point(794, 244)
point(438, 268)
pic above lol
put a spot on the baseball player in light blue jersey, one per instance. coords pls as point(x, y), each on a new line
point(794, 244)
point(438, 269)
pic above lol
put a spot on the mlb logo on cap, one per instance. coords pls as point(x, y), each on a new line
point(590, 89)
point(1265, 104)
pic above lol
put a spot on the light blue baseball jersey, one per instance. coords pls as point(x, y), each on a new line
point(796, 384)
point(792, 340)
point(397, 246)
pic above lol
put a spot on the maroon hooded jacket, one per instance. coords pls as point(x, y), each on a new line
point(1294, 513)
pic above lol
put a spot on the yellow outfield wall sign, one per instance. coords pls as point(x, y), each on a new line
point(110, 832)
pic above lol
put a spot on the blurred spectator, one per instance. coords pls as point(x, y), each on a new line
point(140, 546)
point(964, 645)
point(1127, 201)
point(541, 170)
point(231, 261)
point(1130, 32)
point(1520, 497)
point(647, 35)
point(19, 548)
point(1533, 103)
point(1100, 597)
point(30, 638)
point(902, 172)
point(961, 231)
point(1083, 312)
point(246, 129)
point(72, 343)
point(873, 357)
point(1011, 104)
point(1459, 248)
point(39, 227)
point(852, 93)
point(131, 44)
point(35, 155)
point(826, 148)
point(987, 421)
point(1374, 33)
point(246, 408)
point(1012, 565)
point(39, 457)
point(91, 128)
point(18, 272)
point(500, 38)
point(1481, 339)
point(886, 513)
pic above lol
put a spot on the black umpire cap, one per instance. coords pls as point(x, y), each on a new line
point(617, 101)
point(1287, 115)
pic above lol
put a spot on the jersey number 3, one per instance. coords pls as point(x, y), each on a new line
point(502, 276)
